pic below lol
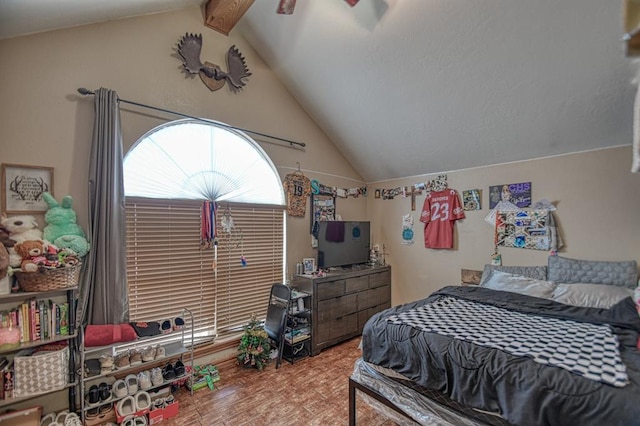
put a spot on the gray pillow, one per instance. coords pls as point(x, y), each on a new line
point(504, 281)
point(590, 295)
point(565, 270)
point(535, 272)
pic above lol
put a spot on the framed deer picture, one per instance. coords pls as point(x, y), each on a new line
point(23, 186)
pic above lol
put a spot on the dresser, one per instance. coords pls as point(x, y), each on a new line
point(342, 301)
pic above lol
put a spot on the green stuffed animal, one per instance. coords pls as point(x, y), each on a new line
point(62, 229)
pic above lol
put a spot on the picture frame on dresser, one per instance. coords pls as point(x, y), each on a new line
point(308, 265)
point(23, 186)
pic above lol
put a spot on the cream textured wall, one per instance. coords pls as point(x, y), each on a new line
point(598, 202)
point(44, 121)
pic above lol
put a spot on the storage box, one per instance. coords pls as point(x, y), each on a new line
point(40, 372)
point(27, 417)
point(156, 416)
point(120, 418)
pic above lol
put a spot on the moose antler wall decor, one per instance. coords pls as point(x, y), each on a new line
point(212, 75)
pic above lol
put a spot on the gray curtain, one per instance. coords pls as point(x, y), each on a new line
point(103, 292)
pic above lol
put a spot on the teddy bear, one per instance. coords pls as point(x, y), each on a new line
point(62, 229)
point(20, 229)
point(32, 253)
point(5, 286)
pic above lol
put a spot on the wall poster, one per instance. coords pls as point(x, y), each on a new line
point(516, 193)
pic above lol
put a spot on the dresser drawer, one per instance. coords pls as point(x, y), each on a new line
point(337, 328)
point(379, 279)
point(337, 307)
point(330, 289)
point(356, 284)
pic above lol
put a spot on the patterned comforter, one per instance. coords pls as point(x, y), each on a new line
point(485, 376)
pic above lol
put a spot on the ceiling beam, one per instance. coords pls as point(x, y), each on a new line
point(223, 15)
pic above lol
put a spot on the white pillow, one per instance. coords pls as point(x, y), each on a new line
point(590, 295)
point(504, 281)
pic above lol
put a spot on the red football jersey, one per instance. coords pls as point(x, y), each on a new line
point(439, 212)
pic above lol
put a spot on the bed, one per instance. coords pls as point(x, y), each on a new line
point(547, 345)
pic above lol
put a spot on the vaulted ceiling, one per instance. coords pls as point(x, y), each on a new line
point(409, 87)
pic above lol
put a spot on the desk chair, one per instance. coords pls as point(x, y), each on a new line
point(276, 321)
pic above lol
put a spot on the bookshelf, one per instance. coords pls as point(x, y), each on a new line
point(44, 320)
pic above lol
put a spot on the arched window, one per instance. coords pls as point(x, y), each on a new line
point(168, 175)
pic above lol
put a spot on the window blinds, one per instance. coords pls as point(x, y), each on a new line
point(167, 270)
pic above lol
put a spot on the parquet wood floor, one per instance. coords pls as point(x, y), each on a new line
point(313, 391)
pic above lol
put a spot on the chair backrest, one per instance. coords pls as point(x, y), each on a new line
point(275, 321)
point(280, 295)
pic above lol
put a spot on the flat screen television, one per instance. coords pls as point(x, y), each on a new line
point(342, 243)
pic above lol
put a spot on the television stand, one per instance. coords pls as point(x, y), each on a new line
point(343, 301)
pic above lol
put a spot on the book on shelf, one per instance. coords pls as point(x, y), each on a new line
point(38, 320)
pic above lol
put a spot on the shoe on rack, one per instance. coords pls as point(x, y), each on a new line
point(120, 388)
point(105, 392)
point(122, 360)
point(48, 420)
point(140, 421)
point(62, 415)
point(106, 363)
point(160, 352)
point(144, 380)
point(128, 421)
point(132, 384)
point(105, 409)
point(156, 376)
point(179, 369)
point(135, 358)
point(166, 326)
point(143, 401)
point(149, 354)
point(168, 373)
point(72, 419)
point(92, 397)
point(178, 323)
point(126, 406)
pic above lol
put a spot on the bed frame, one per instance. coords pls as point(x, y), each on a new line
point(353, 385)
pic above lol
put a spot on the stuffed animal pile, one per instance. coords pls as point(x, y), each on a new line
point(61, 244)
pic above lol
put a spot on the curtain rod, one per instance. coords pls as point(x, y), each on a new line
point(85, 92)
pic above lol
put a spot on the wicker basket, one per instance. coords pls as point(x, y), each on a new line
point(49, 279)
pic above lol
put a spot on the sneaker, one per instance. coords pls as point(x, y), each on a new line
point(149, 354)
point(168, 372)
point(122, 360)
point(179, 369)
point(144, 380)
point(135, 358)
point(160, 352)
point(156, 376)
point(106, 363)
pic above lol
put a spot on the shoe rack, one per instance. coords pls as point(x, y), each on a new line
point(117, 386)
